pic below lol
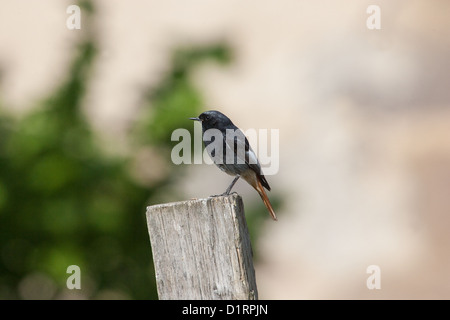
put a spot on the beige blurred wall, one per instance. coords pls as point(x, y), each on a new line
point(363, 116)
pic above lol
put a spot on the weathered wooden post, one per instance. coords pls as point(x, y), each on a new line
point(201, 249)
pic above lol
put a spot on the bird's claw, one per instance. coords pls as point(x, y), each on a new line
point(223, 194)
point(218, 195)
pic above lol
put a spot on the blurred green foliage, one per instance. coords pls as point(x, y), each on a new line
point(176, 98)
point(65, 202)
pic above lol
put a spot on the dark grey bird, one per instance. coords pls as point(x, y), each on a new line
point(232, 153)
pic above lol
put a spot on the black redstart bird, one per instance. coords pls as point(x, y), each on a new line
point(232, 153)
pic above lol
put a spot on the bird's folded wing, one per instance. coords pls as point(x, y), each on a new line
point(239, 150)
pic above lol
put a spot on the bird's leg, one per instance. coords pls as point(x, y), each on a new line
point(227, 192)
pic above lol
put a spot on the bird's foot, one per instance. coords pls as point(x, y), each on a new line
point(218, 195)
point(223, 194)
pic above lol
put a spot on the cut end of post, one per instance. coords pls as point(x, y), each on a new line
point(201, 249)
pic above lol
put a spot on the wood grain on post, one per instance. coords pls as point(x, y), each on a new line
point(201, 249)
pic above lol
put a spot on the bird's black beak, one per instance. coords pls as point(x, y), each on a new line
point(196, 119)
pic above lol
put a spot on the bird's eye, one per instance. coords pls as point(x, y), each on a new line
point(207, 117)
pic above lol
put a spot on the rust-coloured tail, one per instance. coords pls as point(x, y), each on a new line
point(265, 199)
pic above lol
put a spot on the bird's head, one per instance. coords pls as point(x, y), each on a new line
point(213, 119)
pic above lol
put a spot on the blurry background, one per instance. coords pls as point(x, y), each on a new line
point(364, 119)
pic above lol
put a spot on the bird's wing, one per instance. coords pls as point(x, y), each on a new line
point(239, 151)
point(238, 147)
